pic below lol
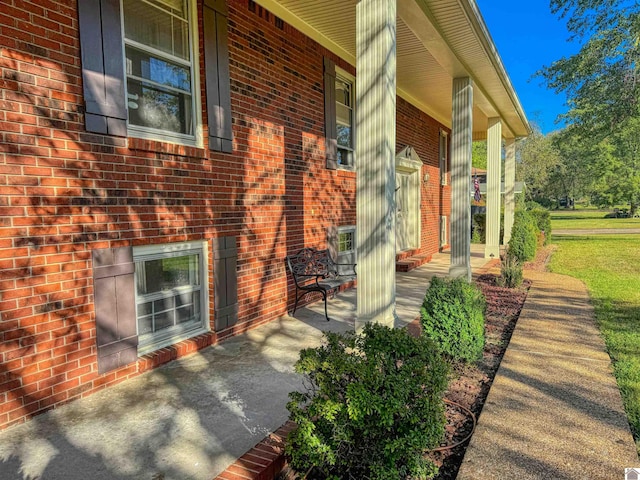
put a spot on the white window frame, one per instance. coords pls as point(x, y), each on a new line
point(154, 341)
point(148, 133)
point(444, 156)
point(346, 256)
point(346, 77)
point(444, 230)
point(346, 229)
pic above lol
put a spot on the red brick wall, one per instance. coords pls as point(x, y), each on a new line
point(64, 192)
point(289, 198)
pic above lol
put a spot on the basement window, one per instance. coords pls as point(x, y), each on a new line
point(171, 293)
point(346, 247)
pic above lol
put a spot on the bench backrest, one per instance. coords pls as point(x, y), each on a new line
point(310, 262)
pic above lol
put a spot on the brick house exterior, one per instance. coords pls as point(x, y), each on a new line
point(87, 200)
point(67, 192)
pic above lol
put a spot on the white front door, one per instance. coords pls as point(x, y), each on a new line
point(404, 212)
point(408, 178)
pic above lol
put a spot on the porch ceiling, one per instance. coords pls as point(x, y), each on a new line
point(437, 40)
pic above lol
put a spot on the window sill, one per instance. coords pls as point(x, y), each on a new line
point(172, 352)
point(346, 170)
point(156, 146)
point(150, 348)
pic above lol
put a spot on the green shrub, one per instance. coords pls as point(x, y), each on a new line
point(542, 220)
point(452, 315)
point(540, 202)
point(511, 275)
point(533, 205)
point(373, 405)
point(478, 228)
point(524, 237)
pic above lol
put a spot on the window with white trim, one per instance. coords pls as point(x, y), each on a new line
point(444, 231)
point(160, 68)
point(345, 120)
point(443, 157)
point(171, 293)
point(346, 240)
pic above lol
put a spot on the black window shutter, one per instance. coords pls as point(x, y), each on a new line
point(115, 306)
point(225, 261)
point(102, 66)
point(216, 61)
point(330, 128)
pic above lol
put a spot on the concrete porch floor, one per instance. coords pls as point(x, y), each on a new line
point(193, 417)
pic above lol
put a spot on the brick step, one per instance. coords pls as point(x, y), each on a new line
point(265, 461)
point(409, 263)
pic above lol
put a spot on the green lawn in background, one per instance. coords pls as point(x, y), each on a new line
point(579, 219)
point(610, 267)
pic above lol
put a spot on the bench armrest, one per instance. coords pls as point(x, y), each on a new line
point(352, 265)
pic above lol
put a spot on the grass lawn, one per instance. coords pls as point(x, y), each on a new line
point(576, 219)
point(609, 266)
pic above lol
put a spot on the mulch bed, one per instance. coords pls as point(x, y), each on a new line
point(471, 384)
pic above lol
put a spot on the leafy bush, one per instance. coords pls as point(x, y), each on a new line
point(452, 315)
point(373, 405)
point(511, 275)
point(542, 220)
point(537, 204)
point(478, 228)
point(524, 234)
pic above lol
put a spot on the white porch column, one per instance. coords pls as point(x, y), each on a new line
point(375, 160)
point(509, 187)
point(494, 174)
point(461, 140)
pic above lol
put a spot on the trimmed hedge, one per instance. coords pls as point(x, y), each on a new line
point(478, 228)
point(542, 220)
point(373, 405)
point(524, 237)
point(452, 315)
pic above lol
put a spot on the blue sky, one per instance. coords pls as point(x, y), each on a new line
point(528, 36)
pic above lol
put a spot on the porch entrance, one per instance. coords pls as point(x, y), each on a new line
point(404, 229)
point(408, 171)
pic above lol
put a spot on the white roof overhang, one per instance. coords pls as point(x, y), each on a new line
point(437, 40)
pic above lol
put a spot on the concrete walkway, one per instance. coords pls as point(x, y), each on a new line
point(191, 418)
point(554, 410)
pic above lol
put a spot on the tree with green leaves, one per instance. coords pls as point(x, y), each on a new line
point(479, 154)
point(538, 158)
point(616, 169)
point(573, 177)
point(601, 80)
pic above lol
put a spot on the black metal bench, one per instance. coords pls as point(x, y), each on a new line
point(315, 271)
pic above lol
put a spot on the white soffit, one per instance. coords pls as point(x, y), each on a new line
point(437, 40)
point(461, 24)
